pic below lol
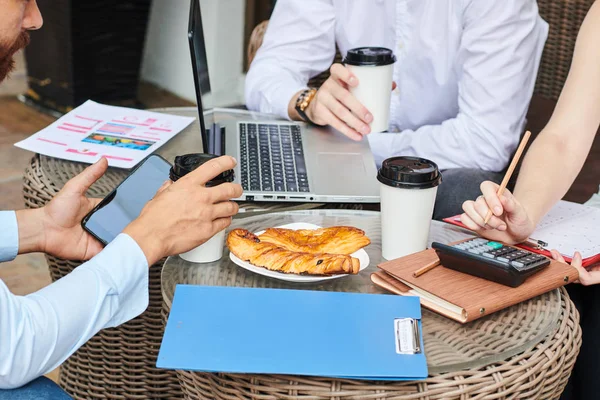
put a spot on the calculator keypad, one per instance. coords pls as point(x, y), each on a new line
point(519, 259)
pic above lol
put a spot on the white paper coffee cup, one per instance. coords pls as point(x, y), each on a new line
point(210, 251)
point(374, 69)
point(408, 189)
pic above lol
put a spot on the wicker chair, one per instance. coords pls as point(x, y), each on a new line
point(565, 18)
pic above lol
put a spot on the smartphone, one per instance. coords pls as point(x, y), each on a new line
point(125, 203)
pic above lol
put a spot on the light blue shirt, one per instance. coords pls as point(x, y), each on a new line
point(41, 330)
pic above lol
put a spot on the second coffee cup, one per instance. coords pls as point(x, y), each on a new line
point(374, 68)
point(212, 250)
point(408, 191)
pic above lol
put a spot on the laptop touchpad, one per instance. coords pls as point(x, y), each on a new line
point(340, 173)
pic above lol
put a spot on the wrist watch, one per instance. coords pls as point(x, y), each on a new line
point(302, 103)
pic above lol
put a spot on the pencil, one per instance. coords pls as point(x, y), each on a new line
point(510, 171)
point(426, 268)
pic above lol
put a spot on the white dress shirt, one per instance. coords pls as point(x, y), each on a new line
point(466, 70)
point(41, 330)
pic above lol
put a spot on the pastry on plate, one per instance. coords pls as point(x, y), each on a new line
point(334, 240)
point(249, 247)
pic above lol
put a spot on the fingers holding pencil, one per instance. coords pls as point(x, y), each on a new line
point(497, 214)
point(510, 170)
point(501, 206)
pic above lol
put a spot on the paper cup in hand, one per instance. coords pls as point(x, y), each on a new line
point(408, 190)
point(373, 67)
point(212, 250)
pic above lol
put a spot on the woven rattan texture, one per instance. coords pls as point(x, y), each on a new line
point(565, 18)
point(117, 363)
point(539, 373)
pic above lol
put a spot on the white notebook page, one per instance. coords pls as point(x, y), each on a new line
point(570, 227)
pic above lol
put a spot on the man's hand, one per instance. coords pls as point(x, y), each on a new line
point(510, 222)
point(56, 229)
point(587, 277)
point(334, 105)
point(186, 214)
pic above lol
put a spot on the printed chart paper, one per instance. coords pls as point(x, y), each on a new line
point(124, 136)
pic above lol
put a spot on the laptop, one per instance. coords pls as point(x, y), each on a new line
point(282, 161)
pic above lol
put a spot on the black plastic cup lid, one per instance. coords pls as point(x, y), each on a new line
point(409, 173)
point(369, 56)
point(185, 164)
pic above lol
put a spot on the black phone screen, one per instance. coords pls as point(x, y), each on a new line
point(125, 203)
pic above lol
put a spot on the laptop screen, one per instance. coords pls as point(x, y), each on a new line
point(212, 139)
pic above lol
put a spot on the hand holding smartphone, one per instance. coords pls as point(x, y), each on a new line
point(126, 201)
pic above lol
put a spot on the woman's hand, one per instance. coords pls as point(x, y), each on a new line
point(509, 223)
point(587, 277)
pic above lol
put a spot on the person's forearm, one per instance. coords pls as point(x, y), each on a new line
point(41, 330)
point(31, 230)
point(549, 168)
point(557, 155)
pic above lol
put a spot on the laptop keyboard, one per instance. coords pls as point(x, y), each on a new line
point(272, 158)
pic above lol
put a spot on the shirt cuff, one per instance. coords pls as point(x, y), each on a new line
point(124, 263)
point(9, 236)
point(282, 97)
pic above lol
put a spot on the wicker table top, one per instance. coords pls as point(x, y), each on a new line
point(533, 345)
point(449, 346)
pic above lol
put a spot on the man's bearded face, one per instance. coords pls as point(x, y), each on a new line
point(7, 52)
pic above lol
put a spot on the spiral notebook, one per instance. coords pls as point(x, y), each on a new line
point(568, 227)
point(460, 296)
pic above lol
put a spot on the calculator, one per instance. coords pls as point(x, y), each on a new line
point(490, 260)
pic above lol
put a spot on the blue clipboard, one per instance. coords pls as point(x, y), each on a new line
point(295, 332)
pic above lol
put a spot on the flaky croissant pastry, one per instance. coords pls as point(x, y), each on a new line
point(334, 240)
point(248, 247)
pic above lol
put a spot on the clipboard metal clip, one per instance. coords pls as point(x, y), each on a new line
point(408, 336)
point(536, 244)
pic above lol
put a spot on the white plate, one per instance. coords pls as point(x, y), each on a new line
point(361, 255)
